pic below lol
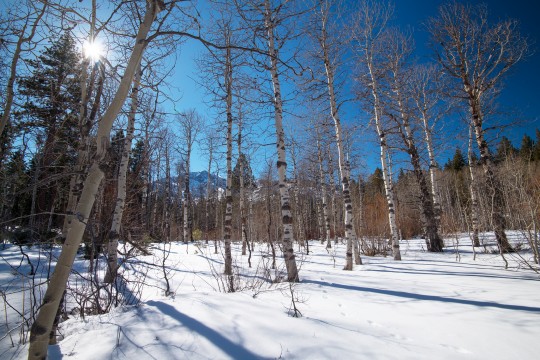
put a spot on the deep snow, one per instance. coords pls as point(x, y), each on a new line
point(428, 306)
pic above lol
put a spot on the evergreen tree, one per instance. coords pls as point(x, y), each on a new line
point(242, 166)
point(15, 197)
point(536, 147)
point(375, 183)
point(52, 94)
point(505, 150)
point(457, 162)
point(526, 151)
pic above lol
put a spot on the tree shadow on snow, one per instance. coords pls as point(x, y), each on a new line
point(409, 295)
point(235, 351)
point(391, 269)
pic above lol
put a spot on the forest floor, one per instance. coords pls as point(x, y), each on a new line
point(427, 306)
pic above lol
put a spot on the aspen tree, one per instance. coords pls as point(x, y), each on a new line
point(472, 191)
point(426, 96)
point(114, 234)
point(190, 126)
point(370, 22)
point(477, 55)
point(330, 69)
point(39, 334)
point(270, 23)
point(397, 50)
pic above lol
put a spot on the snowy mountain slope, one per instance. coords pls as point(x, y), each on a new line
point(197, 183)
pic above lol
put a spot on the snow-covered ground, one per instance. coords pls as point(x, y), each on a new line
point(428, 306)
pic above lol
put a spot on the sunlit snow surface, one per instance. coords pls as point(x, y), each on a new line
point(428, 306)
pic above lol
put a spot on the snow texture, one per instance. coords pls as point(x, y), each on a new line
point(428, 306)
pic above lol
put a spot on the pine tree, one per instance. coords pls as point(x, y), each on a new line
point(505, 150)
point(15, 200)
point(375, 183)
point(536, 147)
point(457, 162)
point(243, 166)
point(526, 151)
point(52, 92)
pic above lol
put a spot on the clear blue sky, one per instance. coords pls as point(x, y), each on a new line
point(521, 91)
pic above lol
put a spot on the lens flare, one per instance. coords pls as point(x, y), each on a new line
point(93, 50)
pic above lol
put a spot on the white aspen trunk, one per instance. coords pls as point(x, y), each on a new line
point(187, 196)
point(296, 200)
point(167, 201)
point(433, 166)
point(40, 331)
point(344, 173)
point(361, 216)
point(493, 187)
point(332, 194)
point(228, 191)
point(243, 230)
point(388, 186)
point(326, 216)
point(474, 198)
point(154, 197)
point(218, 216)
point(206, 207)
point(286, 215)
point(114, 234)
point(433, 240)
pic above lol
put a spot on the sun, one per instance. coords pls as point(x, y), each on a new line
point(93, 50)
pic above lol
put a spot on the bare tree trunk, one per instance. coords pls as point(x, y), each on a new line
point(350, 233)
point(167, 200)
point(297, 210)
point(286, 215)
point(228, 190)
point(474, 198)
point(332, 195)
point(206, 205)
point(433, 166)
point(370, 23)
point(492, 184)
point(187, 199)
point(242, 210)
point(433, 240)
point(322, 177)
point(39, 333)
point(114, 234)
point(388, 183)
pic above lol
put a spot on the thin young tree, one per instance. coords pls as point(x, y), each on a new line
point(425, 87)
point(324, 200)
point(267, 21)
point(477, 54)
point(114, 233)
point(329, 53)
point(370, 22)
point(472, 190)
point(191, 124)
point(24, 36)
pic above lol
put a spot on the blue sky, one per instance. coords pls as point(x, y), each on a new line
point(520, 96)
